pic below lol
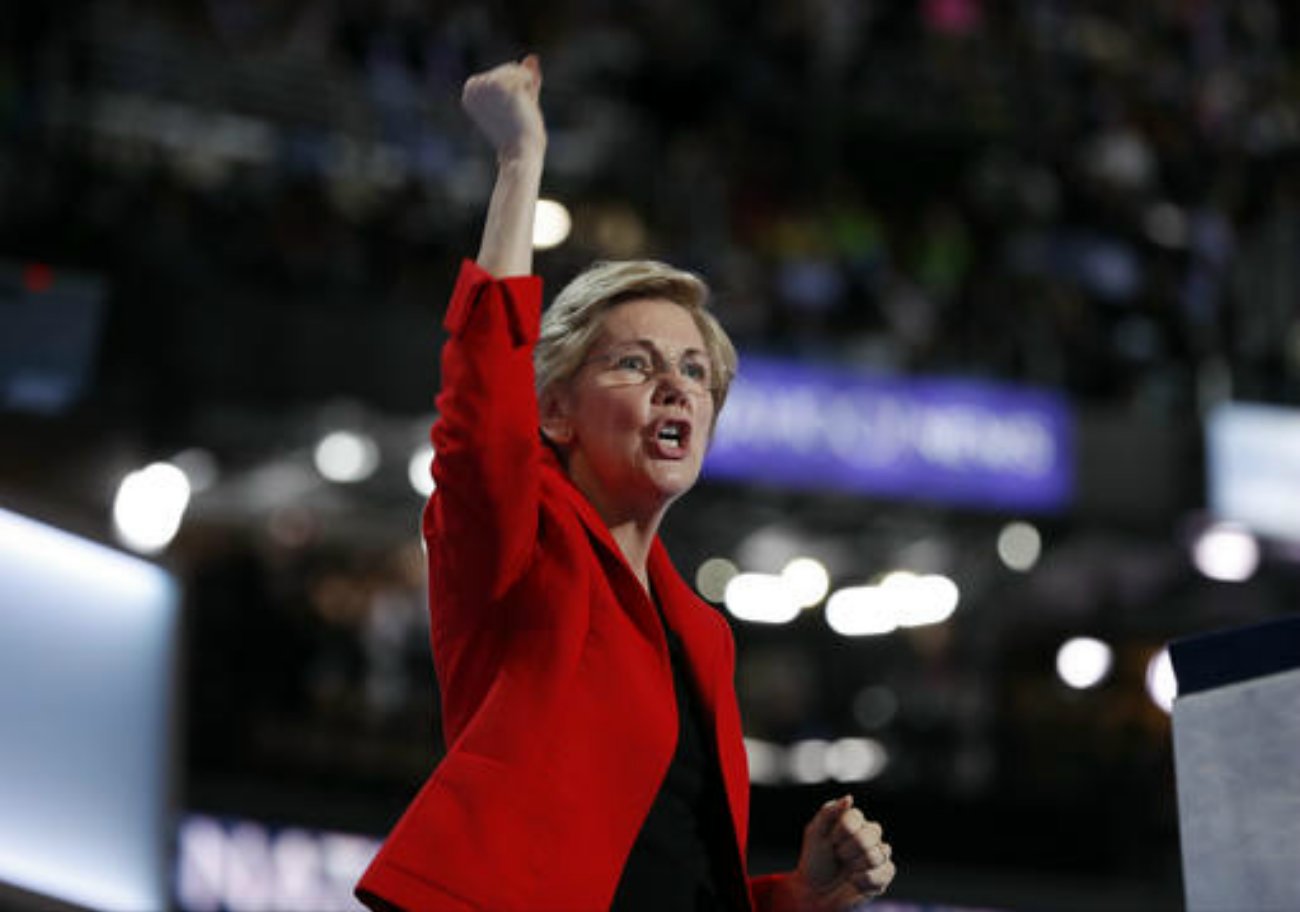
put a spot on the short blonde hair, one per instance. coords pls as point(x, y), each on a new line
point(572, 323)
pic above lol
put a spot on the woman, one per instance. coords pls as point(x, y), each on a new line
point(595, 758)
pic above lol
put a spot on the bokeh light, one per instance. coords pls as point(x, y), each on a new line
point(418, 470)
point(1162, 685)
point(1084, 662)
point(855, 759)
point(346, 457)
point(808, 580)
point(901, 599)
point(1019, 546)
point(861, 611)
point(712, 576)
point(1227, 552)
point(149, 506)
point(762, 598)
point(551, 224)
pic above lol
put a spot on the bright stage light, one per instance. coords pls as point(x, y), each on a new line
point(1083, 662)
point(1019, 546)
point(1227, 552)
point(807, 761)
point(861, 611)
point(551, 224)
point(1162, 685)
point(149, 506)
point(418, 470)
point(808, 580)
point(922, 600)
point(765, 761)
point(855, 759)
point(346, 457)
point(902, 599)
point(763, 598)
point(712, 577)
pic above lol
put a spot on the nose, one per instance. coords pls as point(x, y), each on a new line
point(670, 385)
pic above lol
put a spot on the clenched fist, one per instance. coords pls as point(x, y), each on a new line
point(844, 860)
point(503, 102)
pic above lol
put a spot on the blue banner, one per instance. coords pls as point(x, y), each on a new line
point(950, 441)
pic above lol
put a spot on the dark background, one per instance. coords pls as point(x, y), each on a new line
point(269, 200)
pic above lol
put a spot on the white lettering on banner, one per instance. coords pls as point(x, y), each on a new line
point(869, 430)
point(201, 871)
point(792, 427)
point(243, 866)
point(250, 872)
point(960, 437)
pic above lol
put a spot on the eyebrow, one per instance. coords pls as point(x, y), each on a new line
point(650, 344)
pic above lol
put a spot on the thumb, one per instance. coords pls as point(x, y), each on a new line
point(534, 67)
point(828, 814)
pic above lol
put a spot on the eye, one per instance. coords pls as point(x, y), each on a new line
point(632, 362)
point(697, 371)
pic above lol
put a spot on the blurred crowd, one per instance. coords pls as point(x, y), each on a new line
point(1099, 197)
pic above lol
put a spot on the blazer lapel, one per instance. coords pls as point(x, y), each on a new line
point(712, 668)
point(706, 650)
point(627, 587)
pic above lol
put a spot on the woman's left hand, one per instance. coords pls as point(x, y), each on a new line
point(844, 861)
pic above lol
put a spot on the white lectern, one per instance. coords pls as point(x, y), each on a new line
point(1236, 728)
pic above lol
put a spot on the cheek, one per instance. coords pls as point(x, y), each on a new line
point(608, 414)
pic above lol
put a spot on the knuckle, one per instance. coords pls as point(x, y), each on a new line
point(850, 851)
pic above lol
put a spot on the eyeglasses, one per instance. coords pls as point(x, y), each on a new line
point(633, 366)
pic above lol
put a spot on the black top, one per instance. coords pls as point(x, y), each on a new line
point(683, 857)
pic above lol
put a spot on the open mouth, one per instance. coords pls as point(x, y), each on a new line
point(672, 436)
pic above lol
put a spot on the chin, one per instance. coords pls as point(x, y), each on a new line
point(676, 481)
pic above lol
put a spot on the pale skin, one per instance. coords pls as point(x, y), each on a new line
point(609, 432)
point(616, 457)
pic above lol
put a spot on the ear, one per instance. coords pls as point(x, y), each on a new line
point(555, 415)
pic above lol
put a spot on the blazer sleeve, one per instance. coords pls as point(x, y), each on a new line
point(769, 892)
point(481, 522)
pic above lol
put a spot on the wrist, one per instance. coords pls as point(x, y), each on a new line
point(791, 894)
point(526, 155)
point(803, 896)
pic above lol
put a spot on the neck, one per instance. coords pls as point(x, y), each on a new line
point(634, 540)
point(633, 527)
point(632, 530)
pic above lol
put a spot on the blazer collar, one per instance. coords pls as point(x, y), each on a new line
point(681, 607)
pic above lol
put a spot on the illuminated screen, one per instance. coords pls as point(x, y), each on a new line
point(87, 638)
point(53, 321)
point(1253, 467)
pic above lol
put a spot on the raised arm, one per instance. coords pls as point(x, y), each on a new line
point(481, 521)
point(503, 102)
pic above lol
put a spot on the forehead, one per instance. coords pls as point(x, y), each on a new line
point(656, 320)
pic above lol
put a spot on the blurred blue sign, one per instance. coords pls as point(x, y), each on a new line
point(950, 441)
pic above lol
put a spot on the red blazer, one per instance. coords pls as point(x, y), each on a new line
point(557, 692)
